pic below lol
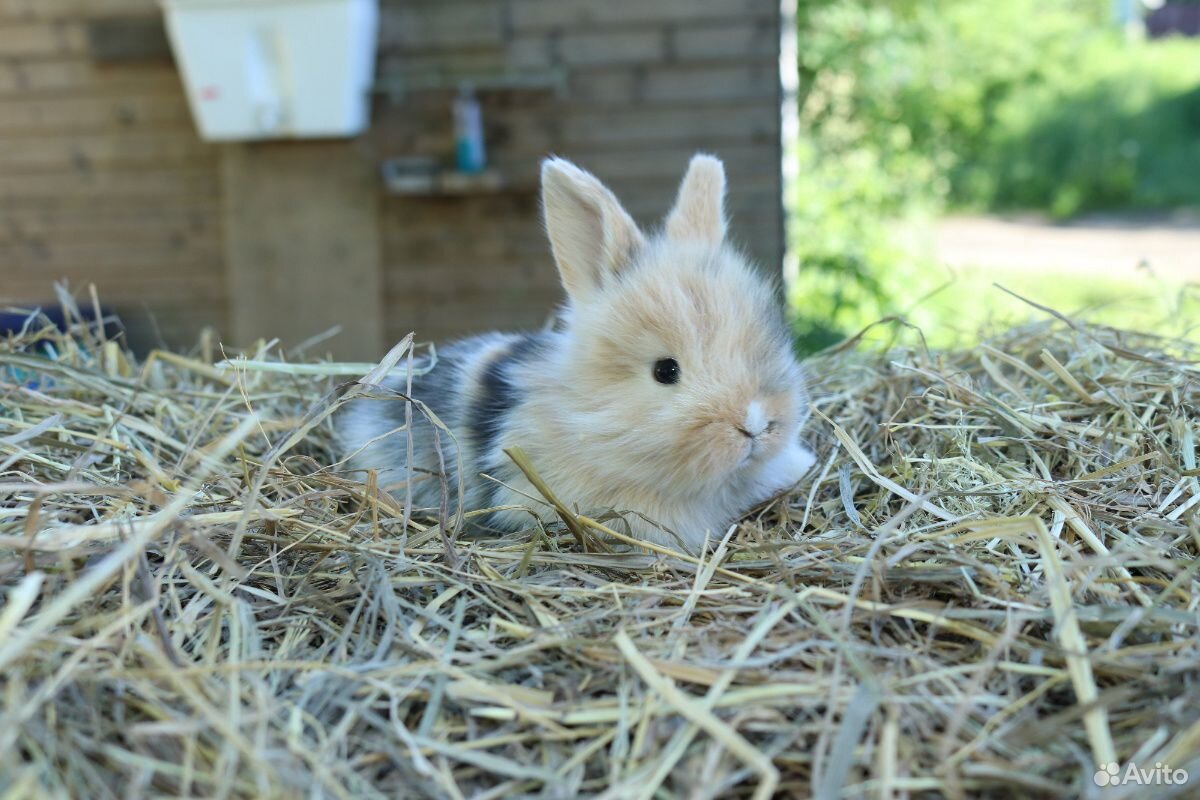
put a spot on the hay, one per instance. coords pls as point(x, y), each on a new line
point(989, 588)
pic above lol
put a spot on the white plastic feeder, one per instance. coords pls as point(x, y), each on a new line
point(274, 69)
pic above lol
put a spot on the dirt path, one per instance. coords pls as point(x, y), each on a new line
point(1096, 246)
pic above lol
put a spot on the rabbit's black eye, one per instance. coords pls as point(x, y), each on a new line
point(666, 370)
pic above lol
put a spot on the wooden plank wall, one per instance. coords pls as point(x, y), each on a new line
point(648, 82)
point(103, 179)
point(102, 176)
point(302, 246)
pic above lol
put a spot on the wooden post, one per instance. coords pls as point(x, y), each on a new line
point(302, 245)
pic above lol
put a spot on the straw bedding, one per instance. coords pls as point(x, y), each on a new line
point(989, 588)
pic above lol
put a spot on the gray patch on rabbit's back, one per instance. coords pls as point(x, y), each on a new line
point(367, 419)
point(498, 392)
point(472, 391)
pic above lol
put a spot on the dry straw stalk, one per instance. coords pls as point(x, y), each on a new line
point(989, 586)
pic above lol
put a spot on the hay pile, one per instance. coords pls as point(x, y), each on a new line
point(990, 588)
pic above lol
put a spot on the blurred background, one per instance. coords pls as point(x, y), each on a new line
point(943, 146)
point(336, 173)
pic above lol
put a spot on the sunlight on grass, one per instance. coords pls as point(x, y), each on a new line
point(957, 306)
point(971, 303)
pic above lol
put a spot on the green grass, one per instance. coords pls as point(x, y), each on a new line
point(956, 308)
point(974, 299)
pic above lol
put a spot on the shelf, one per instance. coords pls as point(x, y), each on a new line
point(418, 178)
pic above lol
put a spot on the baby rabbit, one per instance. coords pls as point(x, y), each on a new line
point(668, 388)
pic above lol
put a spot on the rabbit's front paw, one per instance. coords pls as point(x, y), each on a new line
point(786, 469)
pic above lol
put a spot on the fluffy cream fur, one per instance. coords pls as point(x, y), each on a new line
point(686, 458)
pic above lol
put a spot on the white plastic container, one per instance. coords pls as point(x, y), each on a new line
point(273, 69)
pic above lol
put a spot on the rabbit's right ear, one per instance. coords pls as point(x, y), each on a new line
point(591, 235)
point(699, 212)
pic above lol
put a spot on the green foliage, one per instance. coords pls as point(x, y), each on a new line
point(856, 166)
point(847, 254)
point(1122, 131)
point(910, 107)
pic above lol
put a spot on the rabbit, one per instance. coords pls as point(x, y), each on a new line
point(668, 387)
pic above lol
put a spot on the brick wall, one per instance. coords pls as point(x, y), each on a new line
point(647, 83)
point(103, 179)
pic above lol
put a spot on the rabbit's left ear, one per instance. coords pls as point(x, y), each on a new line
point(592, 237)
point(699, 212)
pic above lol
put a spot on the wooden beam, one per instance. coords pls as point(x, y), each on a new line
point(302, 245)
